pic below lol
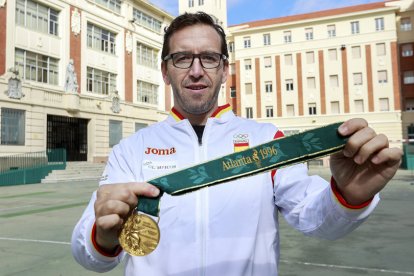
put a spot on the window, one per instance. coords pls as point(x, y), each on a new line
point(288, 59)
point(147, 21)
point(331, 31)
point(382, 76)
point(357, 78)
point(266, 39)
point(37, 67)
point(379, 24)
point(333, 80)
point(248, 88)
point(13, 126)
point(309, 33)
point(359, 106)
point(310, 58)
point(405, 24)
point(408, 77)
point(190, 3)
point(384, 104)
point(290, 110)
point(248, 64)
point(409, 106)
point(335, 109)
point(113, 5)
point(36, 16)
point(312, 108)
point(269, 111)
point(355, 27)
point(115, 132)
point(333, 54)
point(381, 49)
point(287, 36)
point(407, 50)
point(200, 2)
point(147, 56)
point(100, 82)
point(147, 92)
point(289, 85)
point(232, 69)
point(247, 43)
point(311, 82)
point(267, 62)
point(268, 87)
point(231, 47)
point(232, 92)
point(139, 126)
point(410, 132)
point(100, 39)
point(249, 112)
point(356, 52)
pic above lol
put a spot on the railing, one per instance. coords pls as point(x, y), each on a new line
point(30, 168)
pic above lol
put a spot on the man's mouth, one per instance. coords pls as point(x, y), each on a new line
point(196, 87)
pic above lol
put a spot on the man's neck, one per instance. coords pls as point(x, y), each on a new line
point(197, 119)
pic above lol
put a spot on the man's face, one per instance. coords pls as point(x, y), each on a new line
point(195, 89)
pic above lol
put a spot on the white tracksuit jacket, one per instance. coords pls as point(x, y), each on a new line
point(228, 229)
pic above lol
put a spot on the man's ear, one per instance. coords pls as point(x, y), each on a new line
point(164, 72)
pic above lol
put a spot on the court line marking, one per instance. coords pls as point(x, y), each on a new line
point(282, 261)
point(18, 207)
point(42, 210)
point(349, 267)
point(38, 241)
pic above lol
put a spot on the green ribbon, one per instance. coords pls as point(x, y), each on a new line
point(275, 154)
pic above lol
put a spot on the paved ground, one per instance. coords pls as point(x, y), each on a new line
point(36, 222)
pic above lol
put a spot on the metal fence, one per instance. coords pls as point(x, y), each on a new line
point(30, 168)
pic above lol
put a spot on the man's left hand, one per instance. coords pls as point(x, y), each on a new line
point(366, 164)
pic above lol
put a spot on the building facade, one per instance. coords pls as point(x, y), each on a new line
point(79, 74)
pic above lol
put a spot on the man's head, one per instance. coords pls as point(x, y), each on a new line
point(191, 19)
point(194, 63)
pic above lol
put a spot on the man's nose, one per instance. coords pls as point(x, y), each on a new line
point(196, 69)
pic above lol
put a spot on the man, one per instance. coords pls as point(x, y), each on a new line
point(228, 229)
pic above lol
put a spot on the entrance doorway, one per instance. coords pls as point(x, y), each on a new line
point(69, 133)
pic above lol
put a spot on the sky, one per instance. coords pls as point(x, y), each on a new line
point(240, 11)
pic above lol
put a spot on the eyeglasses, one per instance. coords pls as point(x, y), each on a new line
point(185, 60)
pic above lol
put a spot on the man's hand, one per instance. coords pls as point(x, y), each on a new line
point(366, 163)
point(113, 204)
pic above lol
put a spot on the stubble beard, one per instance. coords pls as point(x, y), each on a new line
point(197, 106)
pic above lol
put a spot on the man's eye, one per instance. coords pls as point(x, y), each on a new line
point(209, 58)
point(183, 58)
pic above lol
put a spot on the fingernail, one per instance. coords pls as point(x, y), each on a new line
point(154, 191)
point(358, 159)
point(346, 153)
point(375, 160)
point(343, 129)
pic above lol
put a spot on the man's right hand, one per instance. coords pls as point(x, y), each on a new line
point(114, 202)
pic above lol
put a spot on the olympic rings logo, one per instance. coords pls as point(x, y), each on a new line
point(241, 136)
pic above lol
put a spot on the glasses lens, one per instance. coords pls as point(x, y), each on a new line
point(210, 60)
point(182, 60)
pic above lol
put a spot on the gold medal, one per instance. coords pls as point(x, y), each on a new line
point(140, 235)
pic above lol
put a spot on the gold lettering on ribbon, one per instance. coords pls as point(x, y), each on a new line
point(256, 157)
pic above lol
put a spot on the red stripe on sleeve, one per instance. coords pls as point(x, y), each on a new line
point(100, 249)
point(278, 134)
point(342, 200)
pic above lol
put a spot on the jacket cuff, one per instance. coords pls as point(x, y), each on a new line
point(99, 249)
point(342, 200)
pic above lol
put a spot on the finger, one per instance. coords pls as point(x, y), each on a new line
point(109, 222)
point(370, 147)
point(144, 189)
point(112, 207)
point(392, 156)
point(351, 126)
point(357, 140)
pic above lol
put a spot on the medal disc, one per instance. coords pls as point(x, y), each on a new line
point(140, 235)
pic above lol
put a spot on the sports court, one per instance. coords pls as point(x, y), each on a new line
point(36, 223)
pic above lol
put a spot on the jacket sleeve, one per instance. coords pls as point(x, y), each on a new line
point(118, 170)
point(309, 204)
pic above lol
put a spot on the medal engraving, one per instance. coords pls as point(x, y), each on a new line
point(140, 235)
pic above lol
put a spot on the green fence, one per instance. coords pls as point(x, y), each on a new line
point(31, 167)
point(408, 158)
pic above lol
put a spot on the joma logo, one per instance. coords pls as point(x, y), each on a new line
point(160, 151)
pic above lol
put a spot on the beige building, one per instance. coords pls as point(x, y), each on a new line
point(308, 70)
point(298, 72)
point(78, 74)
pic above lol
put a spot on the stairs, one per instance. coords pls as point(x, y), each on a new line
point(76, 171)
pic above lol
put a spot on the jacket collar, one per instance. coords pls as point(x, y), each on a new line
point(222, 113)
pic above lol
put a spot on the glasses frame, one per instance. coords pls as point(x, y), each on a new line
point(171, 56)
